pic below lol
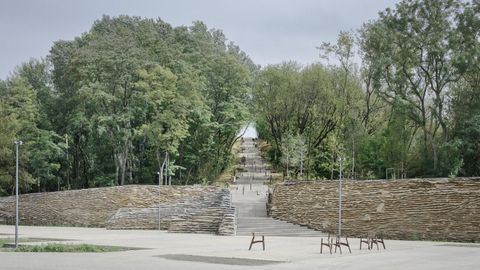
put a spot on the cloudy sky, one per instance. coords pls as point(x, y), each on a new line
point(270, 31)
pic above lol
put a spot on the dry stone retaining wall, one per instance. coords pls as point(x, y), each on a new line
point(127, 207)
point(211, 212)
point(434, 209)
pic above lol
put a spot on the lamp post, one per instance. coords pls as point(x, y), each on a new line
point(17, 144)
point(159, 184)
point(340, 159)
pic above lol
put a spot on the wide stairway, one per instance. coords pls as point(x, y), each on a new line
point(249, 196)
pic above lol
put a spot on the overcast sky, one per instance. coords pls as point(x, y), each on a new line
point(269, 31)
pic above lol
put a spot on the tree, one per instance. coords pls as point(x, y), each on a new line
point(294, 152)
point(134, 88)
point(309, 101)
point(410, 50)
point(162, 111)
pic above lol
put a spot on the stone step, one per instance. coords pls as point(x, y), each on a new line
point(281, 233)
point(274, 226)
point(251, 205)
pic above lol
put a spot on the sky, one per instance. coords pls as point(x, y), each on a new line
point(269, 31)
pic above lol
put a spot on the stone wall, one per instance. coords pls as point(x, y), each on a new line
point(133, 207)
point(211, 212)
point(433, 209)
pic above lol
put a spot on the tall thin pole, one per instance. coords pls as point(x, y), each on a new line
point(17, 144)
point(159, 189)
point(340, 200)
point(68, 163)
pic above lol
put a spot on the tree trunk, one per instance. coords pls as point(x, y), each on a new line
point(117, 169)
point(434, 152)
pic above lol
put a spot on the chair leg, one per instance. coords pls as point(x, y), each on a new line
point(366, 241)
point(374, 241)
point(263, 242)
point(251, 243)
point(348, 245)
point(339, 245)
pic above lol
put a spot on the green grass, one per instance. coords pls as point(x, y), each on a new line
point(56, 247)
point(4, 241)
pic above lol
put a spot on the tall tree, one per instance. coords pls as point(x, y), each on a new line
point(411, 48)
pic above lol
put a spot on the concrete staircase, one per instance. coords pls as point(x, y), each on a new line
point(249, 196)
point(272, 227)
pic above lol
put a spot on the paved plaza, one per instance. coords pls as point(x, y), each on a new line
point(163, 250)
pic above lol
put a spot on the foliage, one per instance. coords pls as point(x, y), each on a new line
point(56, 247)
point(411, 108)
point(105, 107)
point(308, 102)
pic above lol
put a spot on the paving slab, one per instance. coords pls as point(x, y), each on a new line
point(199, 249)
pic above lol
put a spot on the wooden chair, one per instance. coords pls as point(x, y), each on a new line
point(365, 240)
point(376, 240)
point(328, 243)
point(339, 244)
point(257, 241)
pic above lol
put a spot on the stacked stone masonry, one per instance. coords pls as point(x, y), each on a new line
point(211, 212)
point(430, 209)
point(182, 208)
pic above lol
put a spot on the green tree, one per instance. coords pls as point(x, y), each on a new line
point(410, 49)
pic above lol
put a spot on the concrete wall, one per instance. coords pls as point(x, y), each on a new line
point(97, 206)
point(434, 209)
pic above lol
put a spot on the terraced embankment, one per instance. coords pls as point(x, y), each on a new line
point(413, 209)
point(195, 209)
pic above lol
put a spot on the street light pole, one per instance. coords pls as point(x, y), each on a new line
point(159, 188)
point(340, 159)
point(17, 144)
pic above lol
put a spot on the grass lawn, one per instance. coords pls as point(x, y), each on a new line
point(55, 247)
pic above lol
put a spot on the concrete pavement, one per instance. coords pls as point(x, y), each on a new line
point(249, 196)
point(211, 252)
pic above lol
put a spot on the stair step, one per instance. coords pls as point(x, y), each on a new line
point(251, 207)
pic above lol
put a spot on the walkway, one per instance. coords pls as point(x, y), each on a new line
point(250, 198)
point(292, 252)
